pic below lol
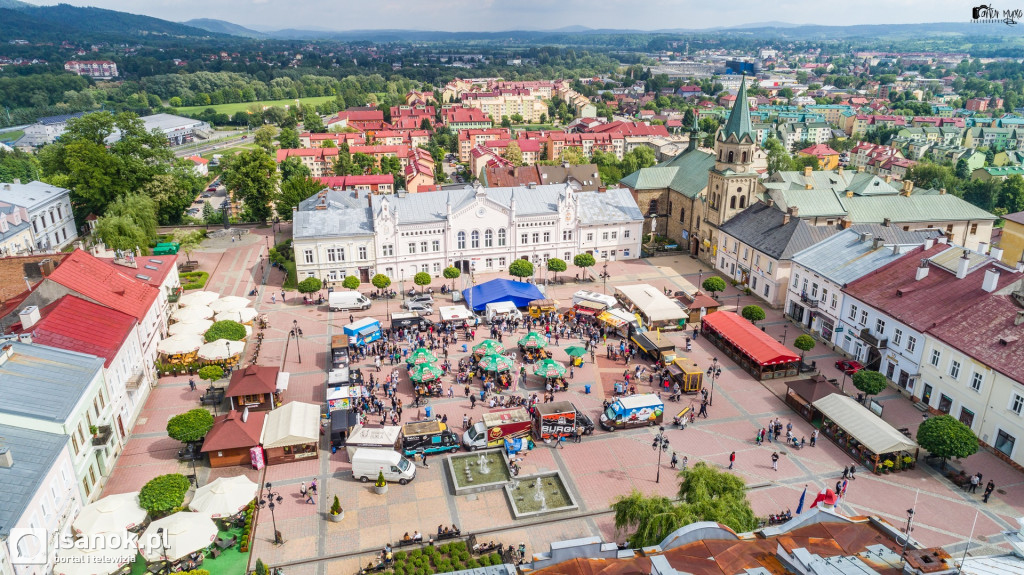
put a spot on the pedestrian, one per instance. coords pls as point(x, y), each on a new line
point(846, 472)
point(989, 489)
point(732, 459)
point(282, 296)
point(312, 486)
point(974, 484)
point(465, 421)
point(814, 437)
point(472, 402)
point(839, 487)
point(423, 459)
point(351, 318)
point(853, 468)
point(309, 498)
point(686, 461)
point(775, 460)
point(191, 384)
point(561, 442)
point(674, 461)
point(703, 410)
point(273, 298)
point(302, 489)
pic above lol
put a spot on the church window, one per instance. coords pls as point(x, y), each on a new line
point(488, 238)
point(744, 157)
point(730, 156)
point(682, 215)
point(743, 202)
point(732, 203)
point(719, 155)
point(501, 237)
point(652, 208)
point(475, 239)
point(461, 241)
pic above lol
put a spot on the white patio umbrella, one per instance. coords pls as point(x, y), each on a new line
point(178, 344)
point(197, 327)
point(183, 533)
point(229, 303)
point(100, 554)
point(224, 496)
point(191, 313)
point(243, 315)
point(199, 298)
point(112, 514)
point(219, 349)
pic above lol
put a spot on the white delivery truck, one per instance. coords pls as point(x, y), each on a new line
point(458, 315)
point(501, 310)
point(346, 300)
point(368, 463)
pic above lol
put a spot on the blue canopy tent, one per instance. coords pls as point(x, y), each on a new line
point(519, 293)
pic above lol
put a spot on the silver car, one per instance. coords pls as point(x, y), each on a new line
point(420, 308)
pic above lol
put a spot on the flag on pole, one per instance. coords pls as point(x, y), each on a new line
point(800, 506)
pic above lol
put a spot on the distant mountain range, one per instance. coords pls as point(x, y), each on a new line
point(19, 20)
point(218, 27)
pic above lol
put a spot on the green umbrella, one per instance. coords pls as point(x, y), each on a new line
point(549, 368)
point(495, 362)
point(488, 346)
point(575, 351)
point(425, 372)
point(421, 355)
point(533, 339)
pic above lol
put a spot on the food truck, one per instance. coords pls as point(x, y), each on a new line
point(343, 396)
point(458, 315)
point(339, 351)
point(685, 372)
point(542, 307)
point(363, 331)
point(633, 411)
point(496, 426)
point(554, 420)
point(382, 437)
point(655, 346)
point(430, 436)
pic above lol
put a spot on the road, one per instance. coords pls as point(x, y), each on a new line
point(197, 148)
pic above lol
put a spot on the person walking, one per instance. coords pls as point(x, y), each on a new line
point(732, 459)
point(351, 318)
point(312, 487)
point(974, 484)
point(814, 437)
point(989, 488)
point(465, 421)
point(302, 489)
point(775, 460)
point(191, 384)
point(703, 409)
point(423, 459)
point(309, 498)
point(853, 469)
point(674, 461)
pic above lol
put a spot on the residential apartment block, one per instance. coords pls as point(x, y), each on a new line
point(95, 69)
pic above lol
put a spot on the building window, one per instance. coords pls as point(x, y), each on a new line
point(501, 263)
point(652, 207)
point(460, 241)
point(897, 336)
point(1017, 404)
point(524, 238)
point(682, 215)
point(1005, 442)
point(936, 357)
point(625, 234)
point(423, 247)
point(332, 254)
point(974, 229)
point(389, 249)
point(880, 326)
point(954, 369)
point(796, 284)
point(308, 254)
point(863, 317)
point(489, 263)
point(435, 245)
point(911, 343)
point(474, 239)
point(488, 239)
point(362, 252)
point(85, 484)
point(771, 265)
point(767, 288)
point(501, 237)
point(412, 247)
point(437, 267)
point(976, 380)
point(547, 237)
point(590, 237)
point(949, 229)
point(536, 237)
point(567, 256)
point(604, 236)
point(757, 259)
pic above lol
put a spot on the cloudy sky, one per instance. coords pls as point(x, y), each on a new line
point(458, 15)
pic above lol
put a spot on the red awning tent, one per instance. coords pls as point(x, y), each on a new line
point(748, 338)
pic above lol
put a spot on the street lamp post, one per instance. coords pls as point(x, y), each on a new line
point(785, 333)
point(737, 303)
point(700, 276)
point(713, 373)
point(296, 332)
point(660, 445)
point(166, 568)
point(271, 499)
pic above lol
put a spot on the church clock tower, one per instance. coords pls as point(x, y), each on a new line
point(732, 182)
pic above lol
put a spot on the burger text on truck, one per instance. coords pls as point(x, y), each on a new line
point(430, 436)
point(495, 427)
point(560, 419)
point(633, 411)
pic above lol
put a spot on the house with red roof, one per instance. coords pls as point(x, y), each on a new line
point(375, 183)
point(310, 140)
point(200, 165)
point(828, 159)
point(469, 139)
point(359, 118)
point(458, 118)
point(232, 436)
point(254, 387)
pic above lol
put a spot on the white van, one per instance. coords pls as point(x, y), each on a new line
point(346, 300)
point(367, 463)
point(501, 309)
point(594, 297)
point(458, 315)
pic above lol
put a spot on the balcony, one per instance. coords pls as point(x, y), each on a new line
point(135, 380)
point(873, 340)
point(103, 435)
point(809, 302)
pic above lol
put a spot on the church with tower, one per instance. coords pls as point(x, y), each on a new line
point(689, 197)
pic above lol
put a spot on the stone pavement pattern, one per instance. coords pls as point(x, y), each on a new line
point(601, 468)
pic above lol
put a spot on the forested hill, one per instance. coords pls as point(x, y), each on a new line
point(63, 22)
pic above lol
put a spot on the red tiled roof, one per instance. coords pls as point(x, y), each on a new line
point(75, 324)
point(986, 332)
point(96, 280)
point(319, 153)
point(924, 304)
point(253, 380)
point(360, 116)
point(359, 180)
point(757, 344)
point(163, 265)
point(819, 150)
point(230, 432)
point(198, 159)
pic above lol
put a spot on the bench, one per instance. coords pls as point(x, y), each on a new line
point(407, 542)
point(449, 535)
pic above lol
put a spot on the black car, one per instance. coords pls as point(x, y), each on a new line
point(584, 423)
point(191, 452)
point(409, 321)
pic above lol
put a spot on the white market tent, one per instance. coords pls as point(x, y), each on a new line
point(224, 496)
point(229, 303)
point(867, 428)
point(184, 532)
point(112, 514)
point(220, 349)
point(653, 304)
point(198, 298)
point(241, 315)
point(191, 313)
point(99, 554)
point(197, 327)
point(179, 344)
point(294, 423)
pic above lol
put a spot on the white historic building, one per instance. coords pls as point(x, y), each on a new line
point(49, 213)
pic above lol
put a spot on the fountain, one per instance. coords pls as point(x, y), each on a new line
point(549, 495)
point(475, 472)
point(485, 466)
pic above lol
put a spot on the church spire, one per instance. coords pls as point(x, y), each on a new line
point(739, 117)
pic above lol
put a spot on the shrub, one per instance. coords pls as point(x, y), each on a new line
point(752, 313)
point(193, 280)
point(310, 285)
point(336, 506)
point(163, 493)
point(714, 284)
point(226, 329)
point(472, 564)
point(211, 372)
point(190, 426)
point(350, 282)
point(400, 556)
point(495, 558)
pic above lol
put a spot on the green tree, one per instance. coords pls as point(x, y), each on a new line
point(513, 154)
point(1011, 194)
point(188, 240)
point(870, 382)
point(421, 279)
point(381, 281)
point(225, 329)
point(713, 284)
point(264, 138)
point(190, 426)
point(312, 122)
point(252, 175)
point(752, 313)
point(777, 157)
point(130, 222)
point(804, 343)
point(163, 494)
point(638, 158)
point(293, 168)
point(945, 436)
point(288, 138)
point(584, 261)
point(573, 156)
point(557, 265)
point(351, 282)
point(310, 285)
point(520, 268)
point(260, 568)
point(962, 171)
point(452, 273)
point(293, 191)
point(211, 373)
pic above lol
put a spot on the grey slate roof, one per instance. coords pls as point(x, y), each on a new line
point(845, 256)
point(345, 214)
point(612, 206)
point(34, 453)
point(44, 382)
point(30, 195)
point(761, 227)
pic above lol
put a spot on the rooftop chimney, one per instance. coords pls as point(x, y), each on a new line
point(29, 316)
point(991, 280)
point(962, 265)
point(929, 243)
point(908, 187)
point(879, 242)
point(888, 178)
point(922, 270)
point(864, 236)
point(1020, 317)
point(982, 248)
point(942, 191)
point(886, 222)
point(860, 169)
point(849, 193)
point(770, 203)
point(943, 240)
point(785, 218)
point(794, 211)
point(996, 253)
point(807, 171)
point(840, 171)
point(6, 458)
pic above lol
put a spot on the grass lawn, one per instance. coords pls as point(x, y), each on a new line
point(292, 282)
point(11, 136)
point(231, 109)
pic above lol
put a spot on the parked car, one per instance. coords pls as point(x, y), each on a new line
point(211, 189)
point(420, 308)
point(424, 299)
point(849, 366)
